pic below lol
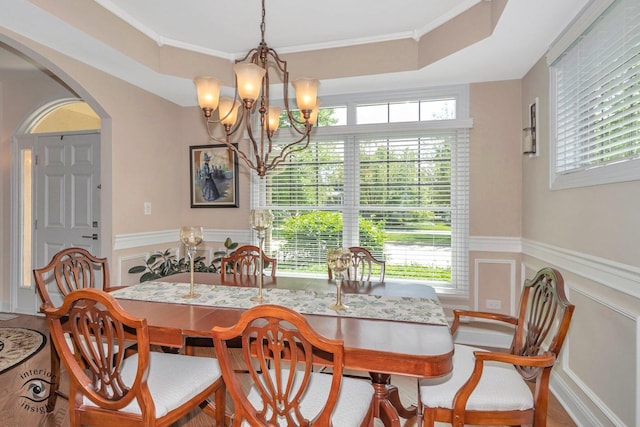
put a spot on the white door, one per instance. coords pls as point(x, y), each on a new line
point(66, 196)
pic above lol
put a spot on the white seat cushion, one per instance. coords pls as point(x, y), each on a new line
point(173, 379)
point(500, 388)
point(354, 399)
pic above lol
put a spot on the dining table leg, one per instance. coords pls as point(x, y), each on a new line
point(387, 405)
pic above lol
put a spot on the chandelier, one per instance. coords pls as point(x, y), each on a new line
point(251, 106)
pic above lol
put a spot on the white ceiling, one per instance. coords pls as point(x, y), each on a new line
point(229, 28)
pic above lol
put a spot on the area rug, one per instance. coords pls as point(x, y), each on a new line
point(18, 345)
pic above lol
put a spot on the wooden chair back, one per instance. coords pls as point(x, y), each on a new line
point(364, 266)
point(103, 390)
point(245, 261)
point(278, 348)
point(99, 328)
point(544, 318)
point(71, 269)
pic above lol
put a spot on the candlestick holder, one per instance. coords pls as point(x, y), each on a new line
point(191, 237)
point(338, 260)
point(260, 220)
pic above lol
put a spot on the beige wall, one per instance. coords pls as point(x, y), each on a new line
point(591, 235)
point(496, 159)
point(495, 196)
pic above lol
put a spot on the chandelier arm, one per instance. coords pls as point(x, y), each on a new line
point(282, 65)
point(286, 152)
point(301, 127)
point(236, 101)
point(257, 153)
point(264, 117)
point(207, 122)
point(253, 51)
point(241, 155)
point(230, 146)
point(230, 132)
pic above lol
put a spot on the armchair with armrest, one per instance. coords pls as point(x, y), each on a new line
point(490, 387)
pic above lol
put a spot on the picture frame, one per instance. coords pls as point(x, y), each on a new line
point(213, 176)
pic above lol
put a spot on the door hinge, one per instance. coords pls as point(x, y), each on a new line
point(36, 160)
point(35, 224)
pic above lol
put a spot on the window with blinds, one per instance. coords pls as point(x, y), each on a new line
point(596, 108)
point(400, 192)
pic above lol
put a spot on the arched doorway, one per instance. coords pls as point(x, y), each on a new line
point(58, 182)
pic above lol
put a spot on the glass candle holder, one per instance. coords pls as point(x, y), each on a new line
point(338, 260)
point(260, 220)
point(191, 237)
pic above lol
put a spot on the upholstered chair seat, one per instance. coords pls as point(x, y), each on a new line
point(354, 400)
point(169, 391)
point(501, 387)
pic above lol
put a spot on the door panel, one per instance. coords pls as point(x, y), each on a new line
point(67, 197)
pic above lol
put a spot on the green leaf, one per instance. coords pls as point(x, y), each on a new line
point(137, 269)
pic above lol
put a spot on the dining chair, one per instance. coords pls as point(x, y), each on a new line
point(364, 266)
point(69, 269)
point(490, 387)
point(147, 388)
point(280, 347)
point(245, 261)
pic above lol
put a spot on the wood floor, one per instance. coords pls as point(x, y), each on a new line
point(18, 411)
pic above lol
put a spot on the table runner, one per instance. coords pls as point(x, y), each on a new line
point(405, 309)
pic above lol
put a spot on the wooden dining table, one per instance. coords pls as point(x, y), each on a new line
point(382, 347)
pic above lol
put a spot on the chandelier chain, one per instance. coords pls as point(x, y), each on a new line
point(263, 26)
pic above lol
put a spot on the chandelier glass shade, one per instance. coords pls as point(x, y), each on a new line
point(251, 107)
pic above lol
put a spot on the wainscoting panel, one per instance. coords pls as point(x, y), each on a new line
point(134, 249)
point(495, 280)
point(597, 378)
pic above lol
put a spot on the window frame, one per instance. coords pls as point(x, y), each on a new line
point(351, 131)
point(604, 173)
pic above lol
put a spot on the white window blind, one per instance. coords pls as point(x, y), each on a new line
point(596, 83)
point(404, 197)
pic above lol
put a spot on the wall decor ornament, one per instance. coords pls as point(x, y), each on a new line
point(530, 133)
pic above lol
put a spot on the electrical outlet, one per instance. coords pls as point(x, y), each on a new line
point(147, 208)
point(493, 304)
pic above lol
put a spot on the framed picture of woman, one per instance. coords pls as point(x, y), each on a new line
point(214, 176)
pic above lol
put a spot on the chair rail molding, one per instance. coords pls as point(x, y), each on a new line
point(495, 244)
point(150, 238)
point(621, 277)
